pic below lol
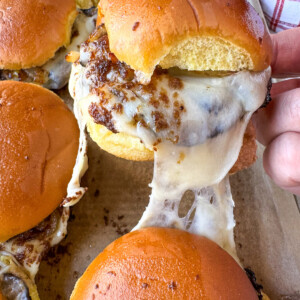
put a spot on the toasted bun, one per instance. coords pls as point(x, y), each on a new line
point(247, 154)
point(163, 263)
point(39, 139)
point(32, 31)
point(131, 148)
point(192, 35)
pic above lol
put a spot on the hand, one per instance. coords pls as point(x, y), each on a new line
point(278, 125)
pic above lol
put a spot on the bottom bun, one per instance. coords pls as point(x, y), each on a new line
point(119, 144)
point(131, 148)
point(164, 263)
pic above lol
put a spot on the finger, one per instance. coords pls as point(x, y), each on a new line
point(281, 115)
point(286, 49)
point(282, 161)
point(284, 86)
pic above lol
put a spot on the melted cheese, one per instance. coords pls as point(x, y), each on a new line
point(196, 154)
point(59, 69)
point(74, 190)
point(211, 214)
point(202, 160)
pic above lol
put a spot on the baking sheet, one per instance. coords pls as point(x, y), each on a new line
point(267, 231)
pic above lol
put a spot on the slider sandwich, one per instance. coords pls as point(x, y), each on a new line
point(165, 263)
point(42, 158)
point(177, 81)
point(35, 37)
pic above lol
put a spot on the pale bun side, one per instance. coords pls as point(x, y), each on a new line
point(131, 148)
point(86, 4)
point(32, 31)
point(163, 263)
point(119, 144)
point(39, 138)
point(193, 35)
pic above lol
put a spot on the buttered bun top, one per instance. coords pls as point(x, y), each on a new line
point(163, 263)
point(31, 31)
point(193, 35)
point(39, 139)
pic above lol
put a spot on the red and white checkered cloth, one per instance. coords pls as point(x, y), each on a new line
point(281, 14)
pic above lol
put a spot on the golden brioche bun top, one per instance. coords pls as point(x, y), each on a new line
point(31, 31)
point(163, 263)
point(39, 140)
point(193, 35)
